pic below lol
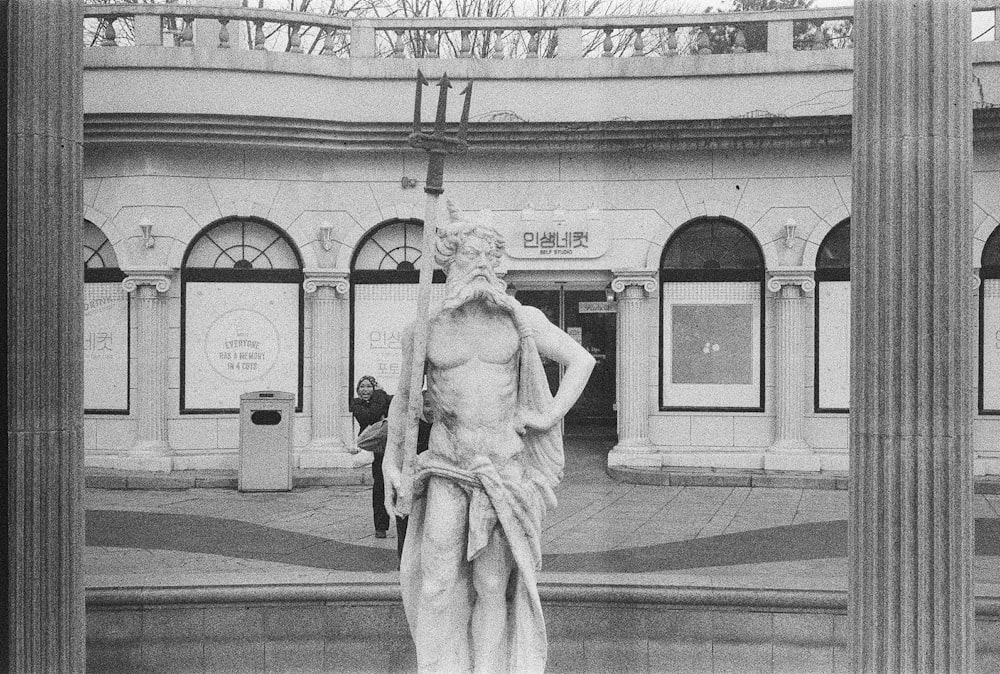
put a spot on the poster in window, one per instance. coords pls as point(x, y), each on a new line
point(105, 347)
point(712, 344)
point(239, 337)
point(381, 312)
point(834, 334)
point(991, 344)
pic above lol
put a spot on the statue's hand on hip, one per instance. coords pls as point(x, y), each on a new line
point(536, 421)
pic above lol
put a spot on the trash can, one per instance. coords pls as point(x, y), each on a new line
point(266, 441)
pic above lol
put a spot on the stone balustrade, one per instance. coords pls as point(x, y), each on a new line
point(486, 38)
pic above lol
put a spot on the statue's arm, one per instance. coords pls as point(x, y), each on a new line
point(556, 345)
point(392, 462)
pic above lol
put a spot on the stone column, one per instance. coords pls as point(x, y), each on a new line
point(910, 506)
point(328, 297)
point(151, 450)
point(790, 451)
point(633, 448)
point(43, 463)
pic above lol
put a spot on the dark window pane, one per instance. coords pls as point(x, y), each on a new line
point(835, 251)
point(991, 252)
point(712, 244)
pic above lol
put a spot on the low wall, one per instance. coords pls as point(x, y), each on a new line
point(591, 627)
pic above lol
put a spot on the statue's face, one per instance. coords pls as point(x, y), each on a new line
point(475, 258)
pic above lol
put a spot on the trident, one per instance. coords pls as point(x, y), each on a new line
point(438, 146)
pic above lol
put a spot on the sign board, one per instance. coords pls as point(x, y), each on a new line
point(381, 312)
point(558, 234)
point(598, 307)
point(239, 337)
point(576, 333)
point(105, 347)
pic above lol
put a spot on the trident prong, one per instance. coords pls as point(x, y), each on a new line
point(438, 144)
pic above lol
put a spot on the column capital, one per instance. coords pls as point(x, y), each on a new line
point(644, 278)
point(792, 276)
point(158, 279)
point(338, 280)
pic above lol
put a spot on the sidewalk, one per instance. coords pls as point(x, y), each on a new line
point(156, 530)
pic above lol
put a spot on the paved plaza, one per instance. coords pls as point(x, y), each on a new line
point(676, 535)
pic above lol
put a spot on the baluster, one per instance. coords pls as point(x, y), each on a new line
point(223, 33)
point(466, 49)
point(638, 46)
point(109, 32)
point(739, 41)
point(398, 48)
point(704, 46)
point(498, 43)
point(258, 35)
point(187, 33)
point(818, 37)
point(533, 43)
point(609, 46)
point(671, 41)
point(294, 39)
point(328, 34)
point(432, 44)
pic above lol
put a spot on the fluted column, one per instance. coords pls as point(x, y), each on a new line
point(328, 298)
point(790, 451)
point(151, 450)
point(910, 533)
point(633, 448)
point(43, 463)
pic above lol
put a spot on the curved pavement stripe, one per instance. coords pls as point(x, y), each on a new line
point(245, 540)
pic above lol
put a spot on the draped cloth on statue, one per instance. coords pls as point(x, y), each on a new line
point(512, 501)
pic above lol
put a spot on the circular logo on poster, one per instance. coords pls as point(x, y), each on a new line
point(242, 345)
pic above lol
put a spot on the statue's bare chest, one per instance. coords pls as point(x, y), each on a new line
point(458, 337)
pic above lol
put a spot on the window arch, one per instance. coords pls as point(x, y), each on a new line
point(712, 318)
point(385, 269)
point(832, 334)
point(989, 326)
point(241, 315)
point(106, 327)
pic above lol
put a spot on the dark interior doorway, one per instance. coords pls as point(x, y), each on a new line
point(590, 319)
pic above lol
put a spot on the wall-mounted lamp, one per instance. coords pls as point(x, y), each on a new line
point(408, 183)
point(146, 227)
point(789, 230)
point(326, 236)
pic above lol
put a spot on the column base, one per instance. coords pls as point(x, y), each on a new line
point(635, 455)
point(330, 453)
point(784, 457)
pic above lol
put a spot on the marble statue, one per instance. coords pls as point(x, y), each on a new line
point(480, 491)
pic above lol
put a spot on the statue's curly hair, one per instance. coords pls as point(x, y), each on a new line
point(451, 236)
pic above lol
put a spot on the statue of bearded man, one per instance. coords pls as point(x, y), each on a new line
point(472, 548)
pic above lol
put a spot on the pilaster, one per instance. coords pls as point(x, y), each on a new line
point(151, 450)
point(44, 630)
point(327, 292)
point(910, 506)
point(790, 451)
point(634, 448)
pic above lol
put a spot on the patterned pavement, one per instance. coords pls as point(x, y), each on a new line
point(697, 536)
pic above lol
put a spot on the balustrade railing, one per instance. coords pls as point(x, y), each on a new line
point(174, 25)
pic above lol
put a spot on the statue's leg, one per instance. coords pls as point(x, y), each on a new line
point(491, 572)
point(446, 594)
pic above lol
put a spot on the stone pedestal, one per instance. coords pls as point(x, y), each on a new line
point(151, 450)
point(633, 448)
point(911, 607)
point(328, 299)
point(790, 451)
point(43, 464)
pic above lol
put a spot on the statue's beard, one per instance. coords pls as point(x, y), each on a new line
point(471, 287)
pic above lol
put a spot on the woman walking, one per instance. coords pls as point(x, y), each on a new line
point(372, 405)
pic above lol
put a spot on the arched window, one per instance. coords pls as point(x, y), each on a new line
point(989, 326)
point(105, 327)
point(384, 274)
point(712, 320)
point(241, 316)
point(832, 369)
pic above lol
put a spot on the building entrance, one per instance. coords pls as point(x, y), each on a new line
point(589, 318)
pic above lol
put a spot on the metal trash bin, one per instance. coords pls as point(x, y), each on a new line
point(266, 441)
